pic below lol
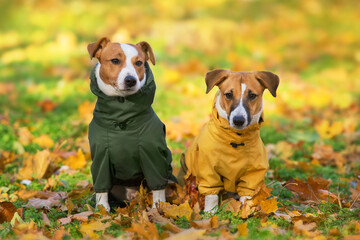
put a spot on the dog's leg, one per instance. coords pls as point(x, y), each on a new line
point(102, 199)
point(243, 198)
point(211, 202)
point(158, 196)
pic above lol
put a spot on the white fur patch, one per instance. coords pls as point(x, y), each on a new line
point(128, 70)
point(239, 111)
point(257, 116)
point(105, 88)
point(222, 113)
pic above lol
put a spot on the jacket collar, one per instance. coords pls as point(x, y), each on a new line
point(235, 137)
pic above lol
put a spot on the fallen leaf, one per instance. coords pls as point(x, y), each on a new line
point(90, 229)
point(38, 166)
point(46, 105)
point(306, 229)
point(327, 130)
point(50, 201)
point(242, 229)
point(269, 205)
point(76, 162)
point(25, 136)
point(191, 233)
point(314, 189)
point(176, 211)
point(7, 211)
point(44, 141)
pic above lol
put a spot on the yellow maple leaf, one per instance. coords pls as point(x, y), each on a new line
point(76, 162)
point(44, 141)
point(90, 229)
point(269, 205)
point(327, 130)
point(176, 211)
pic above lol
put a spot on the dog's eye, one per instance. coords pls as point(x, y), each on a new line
point(138, 63)
point(229, 95)
point(252, 96)
point(115, 61)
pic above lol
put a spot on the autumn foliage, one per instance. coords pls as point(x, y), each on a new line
point(311, 129)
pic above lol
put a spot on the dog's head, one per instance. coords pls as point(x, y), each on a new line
point(240, 98)
point(121, 68)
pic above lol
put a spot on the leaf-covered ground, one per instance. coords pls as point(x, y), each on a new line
point(311, 129)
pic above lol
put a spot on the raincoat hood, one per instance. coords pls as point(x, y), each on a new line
point(223, 158)
point(111, 109)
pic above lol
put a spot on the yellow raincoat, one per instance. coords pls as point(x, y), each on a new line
point(222, 158)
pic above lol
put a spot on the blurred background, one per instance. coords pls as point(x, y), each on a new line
point(314, 46)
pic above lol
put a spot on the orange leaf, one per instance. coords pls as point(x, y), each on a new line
point(269, 205)
point(7, 211)
point(242, 229)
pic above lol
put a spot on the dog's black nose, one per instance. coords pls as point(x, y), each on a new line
point(238, 120)
point(130, 81)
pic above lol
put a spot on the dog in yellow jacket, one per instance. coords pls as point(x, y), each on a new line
point(229, 154)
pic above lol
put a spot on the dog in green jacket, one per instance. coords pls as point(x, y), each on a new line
point(127, 139)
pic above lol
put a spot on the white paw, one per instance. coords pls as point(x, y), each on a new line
point(158, 196)
point(211, 203)
point(102, 199)
point(243, 198)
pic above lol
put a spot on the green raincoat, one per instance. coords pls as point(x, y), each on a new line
point(127, 140)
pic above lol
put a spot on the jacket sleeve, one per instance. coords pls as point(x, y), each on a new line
point(255, 173)
point(209, 181)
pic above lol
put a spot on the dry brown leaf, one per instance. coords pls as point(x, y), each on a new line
point(232, 205)
point(7, 211)
point(269, 205)
point(83, 217)
point(69, 205)
point(46, 219)
point(26, 194)
point(314, 189)
point(46, 105)
point(51, 200)
point(306, 229)
point(176, 211)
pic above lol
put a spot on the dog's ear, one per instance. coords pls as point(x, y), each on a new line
point(95, 48)
point(268, 80)
point(146, 48)
point(215, 77)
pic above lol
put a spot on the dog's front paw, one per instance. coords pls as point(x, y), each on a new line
point(158, 196)
point(211, 203)
point(244, 198)
point(103, 199)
